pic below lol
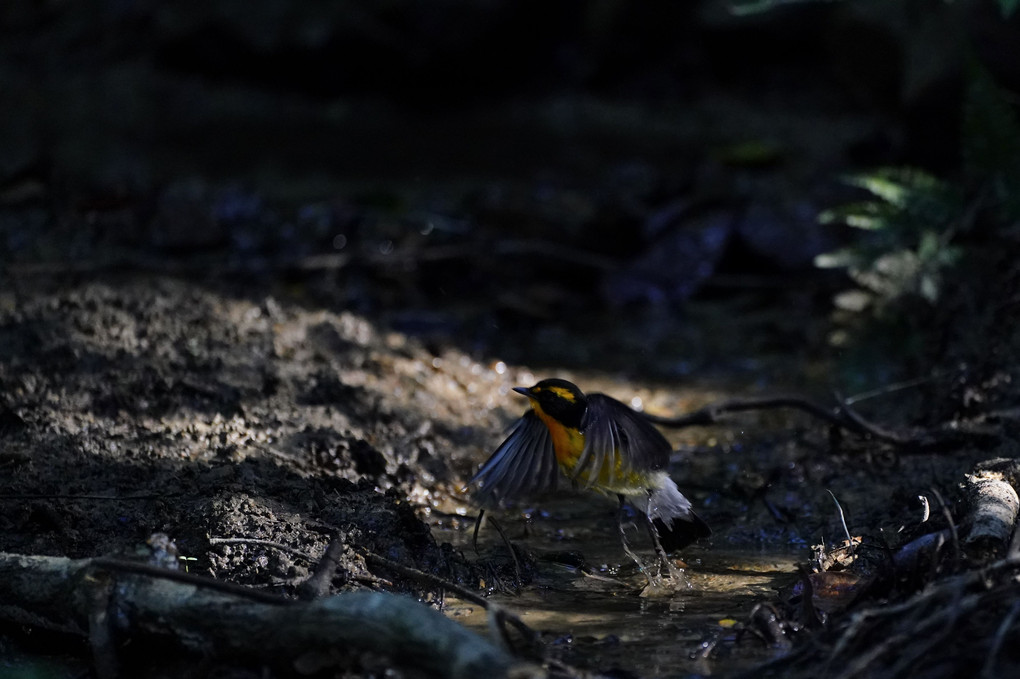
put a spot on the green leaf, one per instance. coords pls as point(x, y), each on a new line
point(868, 215)
point(929, 246)
point(837, 259)
point(881, 184)
point(1008, 7)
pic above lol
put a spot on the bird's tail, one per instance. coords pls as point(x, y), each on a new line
point(673, 517)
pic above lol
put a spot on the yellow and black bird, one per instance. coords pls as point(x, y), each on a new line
point(599, 443)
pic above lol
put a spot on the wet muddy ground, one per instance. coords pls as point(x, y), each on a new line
point(261, 309)
point(253, 430)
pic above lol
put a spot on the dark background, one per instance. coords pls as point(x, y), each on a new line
point(466, 171)
point(195, 195)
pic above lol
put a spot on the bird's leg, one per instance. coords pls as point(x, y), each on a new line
point(478, 524)
point(623, 536)
point(506, 540)
point(664, 559)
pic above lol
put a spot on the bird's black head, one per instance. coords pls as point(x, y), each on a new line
point(559, 399)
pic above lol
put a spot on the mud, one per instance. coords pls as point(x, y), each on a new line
point(261, 316)
point(254, 430)
point(149, 406)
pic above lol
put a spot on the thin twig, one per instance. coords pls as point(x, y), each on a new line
point(500, 613)
point(862, 660)
point(510, 548)
point(426, 578)
point(263, 543)
point(870, 428)
point(317, 584)
point(506, 541)
point(950, 615)
point(711, 413)
point(952, 525)
point(842, 518)
point(842, 416)
point(928, 617)
point(988, 671)
point(474, 535)
point(887, 389)
point(139, 568)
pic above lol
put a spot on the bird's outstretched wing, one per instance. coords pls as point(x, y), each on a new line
point(524, 464)
point(617, 441)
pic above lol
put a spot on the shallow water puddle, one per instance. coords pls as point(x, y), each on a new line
point(608, 617)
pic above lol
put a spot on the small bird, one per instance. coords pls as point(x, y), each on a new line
point(599, 443)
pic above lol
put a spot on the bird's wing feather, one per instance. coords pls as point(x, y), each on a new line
point(524, 464)
point(616, 434)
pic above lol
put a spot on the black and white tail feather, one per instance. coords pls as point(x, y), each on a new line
point(671, 514)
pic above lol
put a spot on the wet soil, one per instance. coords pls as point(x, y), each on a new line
point(260, 314)
point(156, 405)
point(253, 431)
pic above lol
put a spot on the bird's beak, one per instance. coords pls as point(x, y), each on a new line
point(523, 390)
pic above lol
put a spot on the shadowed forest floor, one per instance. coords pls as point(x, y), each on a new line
point(267, 281)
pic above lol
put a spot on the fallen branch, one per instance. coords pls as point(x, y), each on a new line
point(498, 615)
point(990, 523)
point(994, 505)
point(55, 593)
point(712, 413)
point(317, 584)
point(905, 638)
point(910, 636)
point(841, 416)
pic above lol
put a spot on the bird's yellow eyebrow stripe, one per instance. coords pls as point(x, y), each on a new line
point(565, 394)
